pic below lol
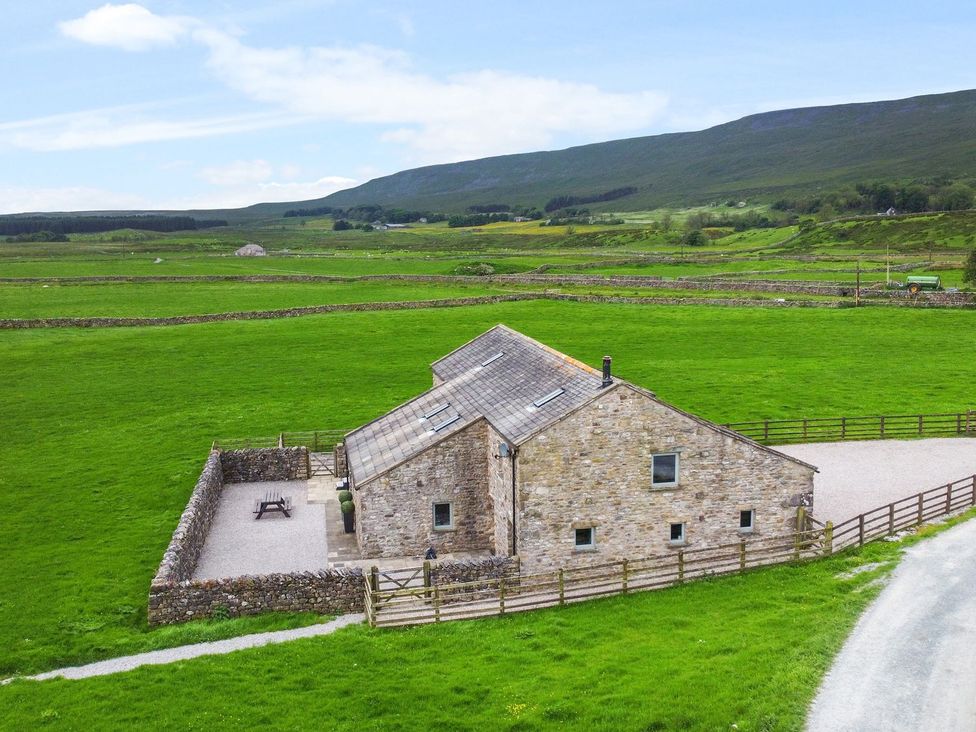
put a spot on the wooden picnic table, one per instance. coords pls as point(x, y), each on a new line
point(273, 502)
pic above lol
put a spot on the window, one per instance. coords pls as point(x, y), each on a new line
point(664, 470)
point(677, 533)
point(586, 538)
point(443, 516)
point(746, 520)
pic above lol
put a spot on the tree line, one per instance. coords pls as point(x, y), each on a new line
point(558, 202)
point(56, 225)
point(875, 197)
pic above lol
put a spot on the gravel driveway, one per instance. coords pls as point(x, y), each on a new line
point(856, 477)
point(910, 662)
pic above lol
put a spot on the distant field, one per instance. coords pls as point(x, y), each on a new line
point(162, 299)
point(105, 431)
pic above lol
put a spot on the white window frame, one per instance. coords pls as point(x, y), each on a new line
point(585, 547)
point(433, 515)
point(752, 520)
point(684, 533)
point(677, 469)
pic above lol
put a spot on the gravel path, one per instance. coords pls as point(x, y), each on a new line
point(909, 664)
point(859, 476)
point(183, 653)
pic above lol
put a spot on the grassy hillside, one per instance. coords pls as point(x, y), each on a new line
point(759, 155)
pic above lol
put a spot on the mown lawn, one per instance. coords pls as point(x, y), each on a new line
point(104, 431)
point(744, 652)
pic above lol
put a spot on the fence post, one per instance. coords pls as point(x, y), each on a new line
point(742, 554)
point(829, 538)
point(681, 565)
point(882, 426)
point(948, 498)
point(801, 522)
point(437, 603)
point(281, 439)
point(843, 427)
point(891, 519)
point(374, 578)
point(860, 530)
point(804, 428)
point(766, 430)
point(920, 422)
point(308, 465)
point(501, 596)
point(921, 503)
point(974, 491)
point(427, 578)
point(562, 588)
point(623, 587)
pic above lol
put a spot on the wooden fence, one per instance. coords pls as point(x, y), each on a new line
point(783, 431)
point(314, 440)
point(432, 603)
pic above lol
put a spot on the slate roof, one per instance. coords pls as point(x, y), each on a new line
point(501, 376)
point(498, 376)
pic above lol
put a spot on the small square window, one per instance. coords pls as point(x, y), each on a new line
point(677, 533)
point(664, 470)
point(746, 520)
point(443, 516)
point(586, 538)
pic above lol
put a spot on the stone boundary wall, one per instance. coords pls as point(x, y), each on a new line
point(491, 568)
point(264, 464)
point(180, 558)
point(174, 597)
point(926, 300)
point(326, 592)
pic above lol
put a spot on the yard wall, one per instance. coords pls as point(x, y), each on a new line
point(183, 552)
point(394, 512)
point(326, 592)
point(593, 469)
point(265, 464)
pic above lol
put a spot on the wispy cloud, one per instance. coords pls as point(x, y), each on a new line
point(483, 112)
point(23, 199)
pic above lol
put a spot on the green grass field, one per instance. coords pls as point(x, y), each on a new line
point(105, 431)
point(745, 651)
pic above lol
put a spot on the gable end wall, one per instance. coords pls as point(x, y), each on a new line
point(593, 469)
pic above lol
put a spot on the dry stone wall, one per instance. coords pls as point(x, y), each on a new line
point(265, 464)
point(326, 592)
point(183, 552)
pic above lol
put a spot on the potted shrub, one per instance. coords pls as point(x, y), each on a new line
point(348, 516)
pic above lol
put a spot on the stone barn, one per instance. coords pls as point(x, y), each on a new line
point(520, 449)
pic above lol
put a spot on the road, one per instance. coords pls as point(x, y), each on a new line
point(910, 663)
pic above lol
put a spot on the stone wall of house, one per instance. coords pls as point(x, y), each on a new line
point(593, 469)
point(325, 592)
point(500, 493)
point(394, 512)
point(339, 459)
point(262, 464)
point(183, 552)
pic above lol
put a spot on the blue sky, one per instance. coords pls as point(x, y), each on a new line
point(179, 104)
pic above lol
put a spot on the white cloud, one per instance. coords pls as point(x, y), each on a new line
point(130, 27)
point(462, 116)
point(120, 126)
point(237, 173)
point(24, 199)
point(264, 192)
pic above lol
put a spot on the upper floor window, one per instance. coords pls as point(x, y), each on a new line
point(664, 470)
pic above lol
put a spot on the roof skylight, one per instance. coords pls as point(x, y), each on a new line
point(446, 423)
point(548, 397)
point(493, 359)
point(437, 410)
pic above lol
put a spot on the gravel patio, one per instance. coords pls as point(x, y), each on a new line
point(856, 477)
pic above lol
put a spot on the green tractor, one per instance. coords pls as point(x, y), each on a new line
point(916, 283)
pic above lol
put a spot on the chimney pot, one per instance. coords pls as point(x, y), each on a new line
point(607, 378)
